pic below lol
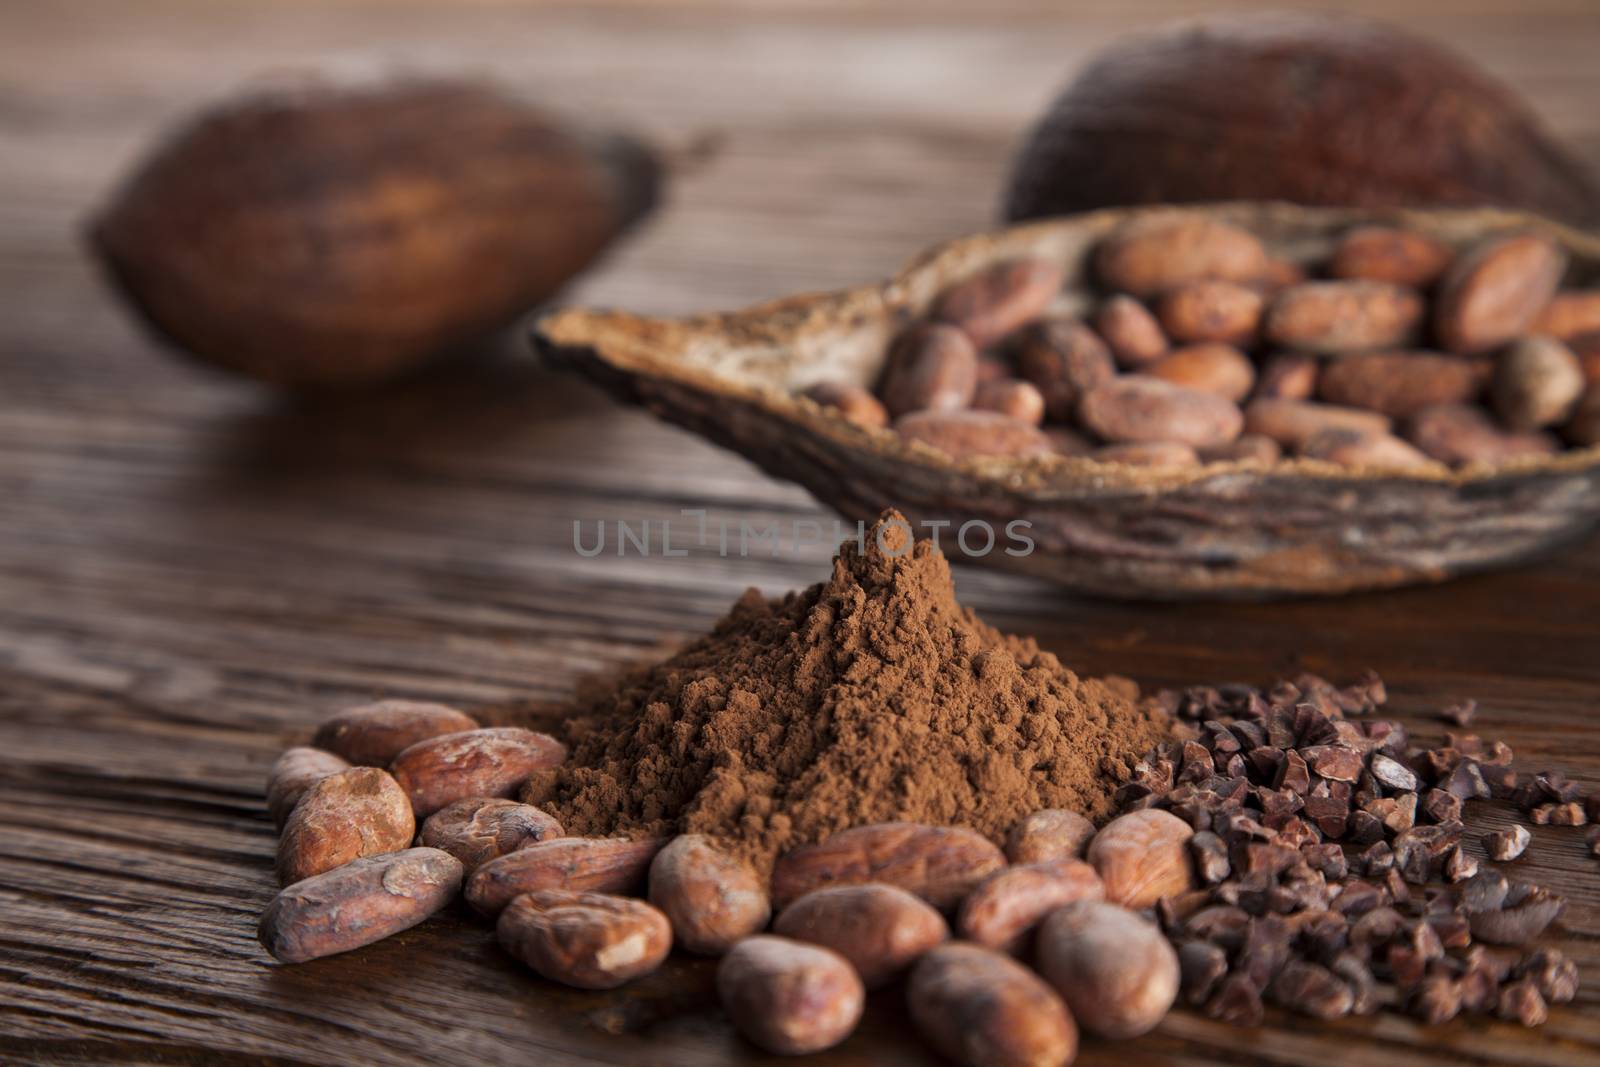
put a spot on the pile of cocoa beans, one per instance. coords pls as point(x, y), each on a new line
point(1401, 353)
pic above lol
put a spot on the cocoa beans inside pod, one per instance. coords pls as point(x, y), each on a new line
point(1307, 108)
point(337, 231)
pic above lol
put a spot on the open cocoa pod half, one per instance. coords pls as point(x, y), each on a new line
point(1225, 529)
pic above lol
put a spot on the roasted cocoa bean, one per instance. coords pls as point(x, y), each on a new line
point(856, 404)
point(1005, 907)
point(712, 897)
point(1388, 254)
point(296, 771)
point(1568, 316)
point(789, 997)
point(1288, 376)
point(1292, 423)
point(345, 816)
point(994, 302)
point(1012, 398)
point(479, 829)
point(1537, 383)
point(1151, 255)
point(372, 735)
point(1344, 316)
point(881, 929)
point(588, 864)
point(1115, 970)
point(1399, 384)
point(1459, 433)
point(1131, 331)
point(931, 367)
point(1211, 368)
point(1494, 292)
point(983, 1009)
point(1063, 359)
point(1133, 409)
point(491, 762)
point(1051, 834)
point(1211, 311)
point(1143, 856)
point(1375, 451)
point(586, 940)
point(940, 864)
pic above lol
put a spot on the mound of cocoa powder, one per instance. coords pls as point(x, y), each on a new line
point(872, 696)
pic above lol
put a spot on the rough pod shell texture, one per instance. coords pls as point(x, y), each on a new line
point(1308, 108)
point(335, 232)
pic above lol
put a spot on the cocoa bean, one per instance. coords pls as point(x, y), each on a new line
point(940, 864)
point(1135, 409)
point(345, 816)
point(1458, 433)
point(1537, 383)
point(1584, 427)
point(1288, 376)
point(712, 898)
point(1388, 254)
point(1149, 454)
point(372, 735)
point(1246, 448)
point(788, 997)
point(1344, 316)
point(856, 404)
point(1068, 442)
point(1399, 384)
point(1211, 368)
point(931, 367)
point(983, 1009)
point(1005, 907)
point(296, 771)
point(1063, 359)
point(586, 940)
point(1051, 834)
point(1569, 315)
point(1131, 331)
point(1292, 423)
point(881, 929)
point(586, 864)
point(490, 762)
point(1143, 856)
point(1211, 311)
point(968, 434)
point(363, 901)
point(1115, 970)
point(479, 829)
point(1012, 398)
point(1493, 293)
point(994, 302)
point(1150, 255)
point(1379, 451)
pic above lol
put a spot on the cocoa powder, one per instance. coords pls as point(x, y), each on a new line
point(871, 697)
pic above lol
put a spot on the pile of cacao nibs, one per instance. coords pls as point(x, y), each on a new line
point(1329, 851)
point(1400, 353)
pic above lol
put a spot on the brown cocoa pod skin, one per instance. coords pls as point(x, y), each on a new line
point(1212, 368)
point(1133, 409)
point(1131, 331)
point(855, 403)
point(1142, 856)
point(1292, 423)
point(1115, 970)
point(372, 735)
point(322, 234)
point(964, 434)
point(1211, 311)
point(1148, 454)
point(1012, 398)
point(364, 901)
point(1399, 384)
point(1344, 316)
point(931, 367)
point(980, 1008)
point(1537, 383)
point(1569, 315)
point(587, 864)
point(584, 940)
point(489, 762)
point(1221, 108)
point(1063, 359)
point(940, 864)
point(345, 816)
point(1366, 450)
point(1050, 834)
point(1246, 448)
point(995, 301)
point(1288, 376)
point(479, 829)
point(712, 897)
point(1148, 256)
point(881, 929)
point(1390, 254)
point(1003, 910)
point(1492, 293)
point(296, 771)
point(1464, 433)
point(788, 997)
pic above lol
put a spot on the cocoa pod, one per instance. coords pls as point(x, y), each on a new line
point(940, 864)
point(1115, 970)
point(1210, 368)
point(1003, 910)
point(586, 940)
point(1399, 384)
point(967, 434)
point(1131, 331)
point(1143, 856)
point(1390, 254)
point(982, 1009)
point(585, 864)
point(294, 772)
point(1014, 399)
point(1493, 293)
point(1149, 255)
point(1352, 448)
point(1569, 315)
point(856, 404)
point(1292, 423)
point(1149, 454)
point(491, 762)
point(1211, 311)
point(712, 898)
point(999, 299)
point(1246, 448)
point(364, 901)
point(1136, 409)
point(1063, 359)
point(788, 997)
point(1051, 834)
point(931, 367)
point(1537, 383)
point(881, 929)
point(1461, 433)
point(345, 816)
point(1288, 376)
point(479, 829)
point(372, 735)
point(1344, 316)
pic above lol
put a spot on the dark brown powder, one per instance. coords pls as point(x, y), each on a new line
point(872, 696)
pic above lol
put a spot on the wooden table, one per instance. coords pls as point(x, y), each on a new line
point(192, 569)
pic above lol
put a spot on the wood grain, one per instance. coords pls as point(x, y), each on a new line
point(192, 571)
